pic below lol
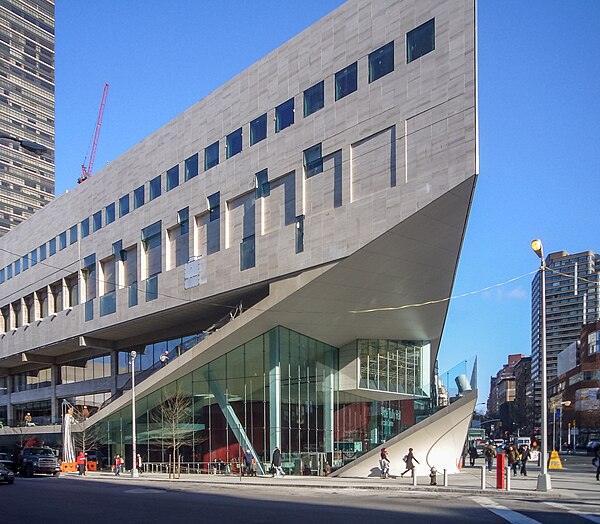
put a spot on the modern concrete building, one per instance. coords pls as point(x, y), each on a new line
point(287, 241)
point(26, 108)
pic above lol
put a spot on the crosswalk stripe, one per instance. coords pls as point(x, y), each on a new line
point(582, 514)
point(507, 514)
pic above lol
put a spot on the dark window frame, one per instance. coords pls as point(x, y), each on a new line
point(346, 81)
point(381, 62)
point(314, 98)
point(284, 115)
point(233, 143)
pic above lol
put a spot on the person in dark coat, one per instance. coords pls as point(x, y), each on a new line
point(512, 457)
point(248, 462)
point(596, 462)
point(410, 460)
point(276, 463)
point(525, 454)
point(472, 454)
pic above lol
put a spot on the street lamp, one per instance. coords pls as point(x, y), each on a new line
point(565, 403)
point(543, 481)
point(134, 470)
point(28, 145)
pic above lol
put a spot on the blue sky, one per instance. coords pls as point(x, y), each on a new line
point(539, 102)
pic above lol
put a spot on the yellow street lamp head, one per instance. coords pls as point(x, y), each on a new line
point(536, 245)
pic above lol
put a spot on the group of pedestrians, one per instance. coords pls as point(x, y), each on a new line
point(409, 460)
point(517, 458)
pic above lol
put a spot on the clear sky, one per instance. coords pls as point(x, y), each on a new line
point(539, 105)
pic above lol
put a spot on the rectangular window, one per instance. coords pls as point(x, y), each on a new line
point(314, 98)
point(42, 252)
point(97, 221)
point(52, 246)
point(62, 241)
point(263, 186)
point(2, 278)
point(233, 144)
point(214, 206)
point(420, 41)
point(9, 272)
point(17, 267)
point(155, 188)
point(191, 167)
point(183, 219)
point(25, 262)
point(247, 256)
point(123, 205)
point(109, 214)
point(258, 129)
point(381, 62)
point(313, 160)
point(211, 156)
point(85, 228)
point(172, 178)
point(284, 115)
point(138, 197)
point(346, 81)
point(33, 257)
point(72, 235)
point(151, 240)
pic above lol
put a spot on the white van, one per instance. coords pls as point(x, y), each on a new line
point(521, 441)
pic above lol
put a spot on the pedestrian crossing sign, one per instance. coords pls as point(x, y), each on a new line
point(554, 462)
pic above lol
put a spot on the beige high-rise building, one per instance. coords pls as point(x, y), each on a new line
point(26, 108)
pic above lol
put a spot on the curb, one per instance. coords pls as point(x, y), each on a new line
point(552, 495)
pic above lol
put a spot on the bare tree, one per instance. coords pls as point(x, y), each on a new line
point(174, 415)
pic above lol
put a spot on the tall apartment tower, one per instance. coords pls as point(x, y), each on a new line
point(26, 108)
point(572, 293)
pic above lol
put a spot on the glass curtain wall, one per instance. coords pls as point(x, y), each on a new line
point(279, 389)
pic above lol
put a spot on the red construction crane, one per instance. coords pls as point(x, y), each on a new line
point(86, 172)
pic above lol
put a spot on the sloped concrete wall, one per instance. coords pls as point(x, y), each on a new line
point(437, 441)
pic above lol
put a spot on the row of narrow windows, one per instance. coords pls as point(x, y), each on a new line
point(419, 42)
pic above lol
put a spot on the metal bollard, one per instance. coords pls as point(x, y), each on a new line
point(414, 479)
point(507, 478)
point(445, 478)
point(483, 477)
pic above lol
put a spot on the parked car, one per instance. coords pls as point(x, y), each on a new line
point(38, 460)
point(592, 445)
point(7, 461)
point(6, 475)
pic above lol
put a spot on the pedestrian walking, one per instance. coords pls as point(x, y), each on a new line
point(384, 464)
point(276, 463)
point(81, 460)
point(489, 452)
point(525, 454)
point(472, 454)
point(410, 460)
point(596, 462)
point(164, 358)
point(248, 461)
point(512, 456)
point(139, 464)
point(118, 463)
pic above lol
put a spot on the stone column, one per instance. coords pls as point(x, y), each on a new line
point(114, 371)
point(54, 380)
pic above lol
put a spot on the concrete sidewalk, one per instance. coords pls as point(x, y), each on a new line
point(574, 482)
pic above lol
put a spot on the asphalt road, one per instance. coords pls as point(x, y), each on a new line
point(94, 500)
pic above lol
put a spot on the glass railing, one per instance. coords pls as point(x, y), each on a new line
point(152, 288)
point(108, 303)
point(89, 310)
point(133, 294)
